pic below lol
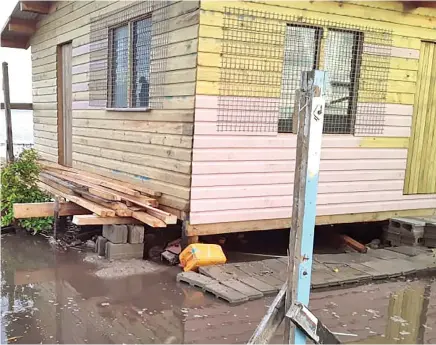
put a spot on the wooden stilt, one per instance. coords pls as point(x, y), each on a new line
point(9, 139)
point(56, 209)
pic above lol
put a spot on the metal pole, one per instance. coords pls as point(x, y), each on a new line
point(7, 101)
point(310, 123)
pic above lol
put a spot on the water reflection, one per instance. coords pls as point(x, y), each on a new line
point(406, 317)
point(56, 297)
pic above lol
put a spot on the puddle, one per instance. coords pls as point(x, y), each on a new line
point(50, 296)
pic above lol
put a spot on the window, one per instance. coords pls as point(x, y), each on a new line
point(338, 54)
point(129, 66)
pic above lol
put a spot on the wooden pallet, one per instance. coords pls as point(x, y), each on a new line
point(110, 201)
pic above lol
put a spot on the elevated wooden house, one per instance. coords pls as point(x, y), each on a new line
point(195, 100)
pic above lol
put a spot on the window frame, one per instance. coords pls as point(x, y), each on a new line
point(110, 68)
point(320, 55)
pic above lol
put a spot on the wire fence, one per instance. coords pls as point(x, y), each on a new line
point(264, 54)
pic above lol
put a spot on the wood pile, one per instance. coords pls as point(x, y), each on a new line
point(110, 201)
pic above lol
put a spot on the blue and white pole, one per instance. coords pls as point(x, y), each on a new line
point(310, 111)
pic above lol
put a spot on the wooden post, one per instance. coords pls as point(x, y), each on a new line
point(310, 123)
point(56, 217)
point(271, 321)
point(7, 101)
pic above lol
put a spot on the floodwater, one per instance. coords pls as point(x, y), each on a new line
point(53, 296)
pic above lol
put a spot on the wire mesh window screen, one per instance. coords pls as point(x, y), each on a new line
point(130, 65)
point(120, 67)
point(300, 54)
point(263, 55)
point(141, 63)
point(342, 53)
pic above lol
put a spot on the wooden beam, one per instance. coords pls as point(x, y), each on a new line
point(351, 242)
point(46, 209)
point(41, 7)
point(9, 137)
point(56, 183)
point(114, 205)
point(22, 26)
point(104, 194)
point(92, 219)
point(112, 183)
point(168, 218)
point(120, 209)
point(149, 219)
point(93, 207)
point(271, 321)
point(14, 43)
point(77, 178)
point(283, 223)
point(19, 106)
point(60, 105)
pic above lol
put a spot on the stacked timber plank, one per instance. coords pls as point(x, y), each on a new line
point(110, 201)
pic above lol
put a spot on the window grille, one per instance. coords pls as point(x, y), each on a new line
point(128, 50)
point(130, 80)
point(263, 55)
point(339, 54)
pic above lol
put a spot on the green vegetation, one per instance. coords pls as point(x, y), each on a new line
point(18, 185)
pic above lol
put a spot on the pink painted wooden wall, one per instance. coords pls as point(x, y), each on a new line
point(239, 176)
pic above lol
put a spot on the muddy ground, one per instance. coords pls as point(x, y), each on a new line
point(54, 296)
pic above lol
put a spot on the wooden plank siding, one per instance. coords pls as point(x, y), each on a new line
point(151, 148)
point(421, 164)
point(242, 177)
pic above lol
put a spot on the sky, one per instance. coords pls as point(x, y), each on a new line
point(19, 60)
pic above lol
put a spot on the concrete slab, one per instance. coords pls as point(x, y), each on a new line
point(212, 286)
point(253, 282)
point(277, 270)
point(425, 261)
point(266, 276)
point(408, 250)
point(323, 277)
point(368, 270)
point(385, 254)
point(216, 272)
point(341, 258)
point(195, 279)
point(226, 293)
point(230, 280)
point(346, 274)
point(276, 265)
point(244, 289)
point(391, 268)
point(258, 271)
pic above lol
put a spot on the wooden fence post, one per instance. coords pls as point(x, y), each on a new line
point(310, 123)
point(7, 102)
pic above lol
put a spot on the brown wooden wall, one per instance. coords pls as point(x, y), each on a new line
point(149, 148)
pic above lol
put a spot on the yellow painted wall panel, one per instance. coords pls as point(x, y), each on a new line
point(385, 142)
point(358, 11)
point(421, 162)
point(214, 16)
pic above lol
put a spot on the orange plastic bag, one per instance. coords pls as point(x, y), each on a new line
point(201, 254)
